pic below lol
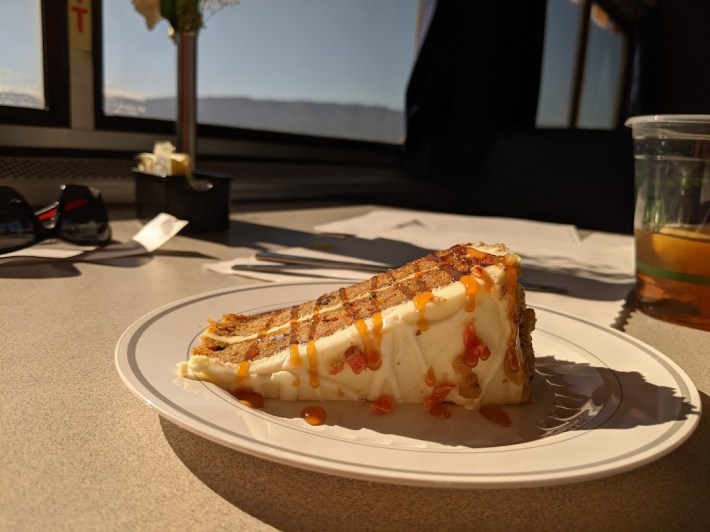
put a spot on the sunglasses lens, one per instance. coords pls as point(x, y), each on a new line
point(18, 228)
point(83, 217)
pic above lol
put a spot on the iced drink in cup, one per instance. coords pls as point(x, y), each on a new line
point(672, 217)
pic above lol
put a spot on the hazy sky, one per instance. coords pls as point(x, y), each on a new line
point(344, 51)
point(21, 64)
point(324, 50)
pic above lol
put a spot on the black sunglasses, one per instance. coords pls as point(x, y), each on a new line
point(79, 217)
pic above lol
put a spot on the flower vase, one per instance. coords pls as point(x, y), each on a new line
point(187, 93)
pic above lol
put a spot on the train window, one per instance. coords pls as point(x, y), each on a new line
point(584, 67)
point(334, 68)
point(21, 57)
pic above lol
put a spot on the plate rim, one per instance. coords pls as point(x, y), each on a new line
point(676, 435)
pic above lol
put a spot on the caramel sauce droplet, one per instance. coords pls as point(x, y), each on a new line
point(313, 415)
point(249, 398)
point(495, 414)
point(474, 349)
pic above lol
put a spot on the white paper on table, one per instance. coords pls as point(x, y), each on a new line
point(291, 274)
point(158, 231)
point(440, 231)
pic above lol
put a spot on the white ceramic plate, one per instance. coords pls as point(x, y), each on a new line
point(604, 403)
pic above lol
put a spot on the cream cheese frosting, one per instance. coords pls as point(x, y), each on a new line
point(422, 345)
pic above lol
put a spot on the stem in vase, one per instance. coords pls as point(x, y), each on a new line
point(187, 93)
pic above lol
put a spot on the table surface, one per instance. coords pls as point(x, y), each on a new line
point(78, 451)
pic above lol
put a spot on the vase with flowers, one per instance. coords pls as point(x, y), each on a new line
point(202, 199)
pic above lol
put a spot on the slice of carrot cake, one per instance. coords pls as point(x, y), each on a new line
point(449, 327)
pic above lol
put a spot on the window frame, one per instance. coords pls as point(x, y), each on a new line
point(269, 145)
point(55, 69)
point(581, 57)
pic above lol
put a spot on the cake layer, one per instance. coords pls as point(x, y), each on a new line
point(451, 326)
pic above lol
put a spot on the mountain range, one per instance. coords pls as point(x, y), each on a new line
point(352, 121)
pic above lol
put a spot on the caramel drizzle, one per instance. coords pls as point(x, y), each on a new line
point(293, 339)
point(347, 305)
point(373, 291)
point(311, 352)
point(408, 293)
point(418, 300)
point(371, 345)
point(482, 274)
point(419, 276)
point(253, 350)
point(471, 285)
point(242, 374)
point(468, 280)
point(430, 377)
point(374, 357)
point(446, 265)
point(444, 262)
point(422, 298)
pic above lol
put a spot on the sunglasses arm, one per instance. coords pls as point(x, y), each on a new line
point(48, 215)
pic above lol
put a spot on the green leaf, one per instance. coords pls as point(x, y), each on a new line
point(183, 15)
point(167, 9)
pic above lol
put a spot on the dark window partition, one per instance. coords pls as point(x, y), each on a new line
point(478, 72)
point(471, 110)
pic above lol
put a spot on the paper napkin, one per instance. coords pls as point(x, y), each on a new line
point(294, 273)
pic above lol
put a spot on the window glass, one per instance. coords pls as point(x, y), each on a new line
point(21, 59)
point(562, 27)
point(139, 65)
point(602, 82)
point(336, 68)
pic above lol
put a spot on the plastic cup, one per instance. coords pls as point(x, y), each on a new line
point(672, 217)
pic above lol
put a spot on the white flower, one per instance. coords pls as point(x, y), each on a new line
point(150, 9)
point(183, 15)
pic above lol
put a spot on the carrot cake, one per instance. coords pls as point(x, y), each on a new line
point(449, 327)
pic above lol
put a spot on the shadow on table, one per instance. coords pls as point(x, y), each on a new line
point(574, 282)
point(291, 498)
point(579, 285)
point(52, 268)
point(118, 255)
point(259, 237)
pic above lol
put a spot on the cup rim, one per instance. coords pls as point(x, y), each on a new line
point(657, 119)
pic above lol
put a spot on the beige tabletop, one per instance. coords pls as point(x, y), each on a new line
point(79, 451)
